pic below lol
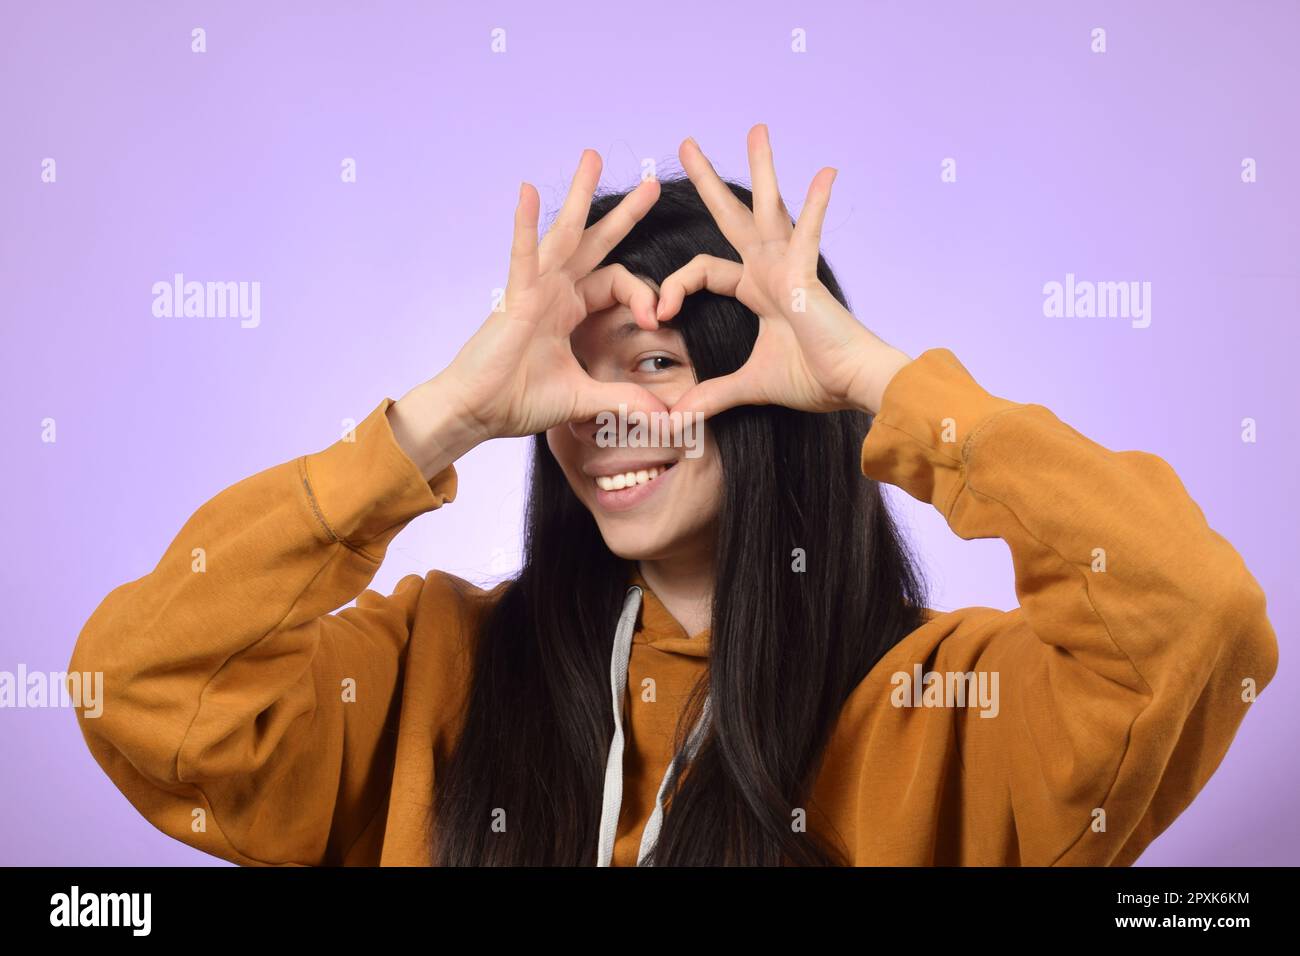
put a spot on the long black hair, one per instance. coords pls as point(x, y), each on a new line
point(787, 647)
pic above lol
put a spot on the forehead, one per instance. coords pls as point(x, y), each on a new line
point(614, 330)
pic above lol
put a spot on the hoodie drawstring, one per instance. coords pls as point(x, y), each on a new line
point(613, 798)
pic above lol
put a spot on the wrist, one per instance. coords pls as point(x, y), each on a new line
point(432, 428)
point(879, 367)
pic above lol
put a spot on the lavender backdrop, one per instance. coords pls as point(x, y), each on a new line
point(226, 165)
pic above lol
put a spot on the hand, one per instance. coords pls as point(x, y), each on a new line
point(517, 375)
point(811, 353)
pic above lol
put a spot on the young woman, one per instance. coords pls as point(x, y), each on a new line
point(721, 658)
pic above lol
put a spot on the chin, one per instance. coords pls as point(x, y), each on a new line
point(630, 545)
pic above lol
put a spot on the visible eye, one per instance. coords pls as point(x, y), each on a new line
point(661, 363)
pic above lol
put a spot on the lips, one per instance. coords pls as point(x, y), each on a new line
point(630, 478)
point(617, 474)
point(623, 485)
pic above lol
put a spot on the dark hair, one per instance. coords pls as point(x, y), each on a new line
point(538, 722)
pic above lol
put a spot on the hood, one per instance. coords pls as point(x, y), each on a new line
point(656, 627)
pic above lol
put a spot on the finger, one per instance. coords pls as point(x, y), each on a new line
point(770, 214)
point(615, 285)
point(523, 248)
point(608, 232)
point(805, 244)
point(715, 395)
point(703, 272)
point(566, 231)
point(596, 397)
point(732, 216)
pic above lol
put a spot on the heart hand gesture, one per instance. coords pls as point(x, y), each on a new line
point(811, 353)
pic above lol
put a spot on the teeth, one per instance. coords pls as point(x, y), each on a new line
point(628, 479)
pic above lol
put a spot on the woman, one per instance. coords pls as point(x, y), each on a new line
point(724, 658)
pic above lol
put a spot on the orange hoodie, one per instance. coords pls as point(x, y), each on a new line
point(245, 719)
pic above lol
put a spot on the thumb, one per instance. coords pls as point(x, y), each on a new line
point(715, 395)
point(616, 397)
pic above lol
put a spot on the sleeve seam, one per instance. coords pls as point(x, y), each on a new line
point(318, 511)
point(924, 442)
point(968, 445)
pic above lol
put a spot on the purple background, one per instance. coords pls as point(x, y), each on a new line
point(226, 166)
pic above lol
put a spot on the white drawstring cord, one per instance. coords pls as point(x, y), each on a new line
point(612, 802)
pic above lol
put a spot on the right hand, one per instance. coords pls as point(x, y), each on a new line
point(517, 375)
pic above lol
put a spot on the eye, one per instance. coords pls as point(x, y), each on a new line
point(658, 363)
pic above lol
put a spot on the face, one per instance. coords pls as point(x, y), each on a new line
point(651, 503)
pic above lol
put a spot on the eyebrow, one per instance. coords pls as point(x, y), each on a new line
point(624, 331)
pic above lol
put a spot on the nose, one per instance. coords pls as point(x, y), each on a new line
point(588, 431)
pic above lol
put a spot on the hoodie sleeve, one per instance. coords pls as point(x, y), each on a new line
point(240, 716)
point(1139, 642)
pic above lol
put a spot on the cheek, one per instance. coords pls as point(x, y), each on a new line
point(565, 449)
point(554, 442)
point(706, 489)
point(714, 479)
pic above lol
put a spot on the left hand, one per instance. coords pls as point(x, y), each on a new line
point(811, 353)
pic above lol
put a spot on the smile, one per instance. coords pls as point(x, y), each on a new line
point(627, 490)
point(629, 479)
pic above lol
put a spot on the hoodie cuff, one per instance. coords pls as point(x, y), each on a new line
point(365, 489)
point(918, 440)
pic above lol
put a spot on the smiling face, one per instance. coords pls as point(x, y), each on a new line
point(650, 503)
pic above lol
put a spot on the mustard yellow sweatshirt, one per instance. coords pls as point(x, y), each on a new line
point(245, 719)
